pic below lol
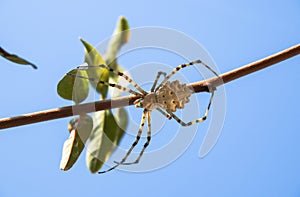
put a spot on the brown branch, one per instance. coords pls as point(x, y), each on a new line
point(200, 86)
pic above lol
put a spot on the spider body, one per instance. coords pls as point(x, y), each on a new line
point(167, 97)
point(171, 96)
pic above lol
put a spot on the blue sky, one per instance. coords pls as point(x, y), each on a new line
point(258, 151)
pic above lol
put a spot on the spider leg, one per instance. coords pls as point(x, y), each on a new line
point(175, 70)
point(197, 120)
point(148, 136)
point(117, 73)
point(132, 146)
point(156, 80)
point(145, 145)
point(167, 115)
point(107, 83)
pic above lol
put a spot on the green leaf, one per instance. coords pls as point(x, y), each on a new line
point(94, 58)
point(14, 58)
point(109, 130)
point(80, 129)
point(121, 118)
point(120, 37)
point(105, 137)
point(74, 88)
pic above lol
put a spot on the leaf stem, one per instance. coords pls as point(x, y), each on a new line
point(200, 86)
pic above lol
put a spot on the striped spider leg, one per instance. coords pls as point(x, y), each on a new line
point(169, 113)
point(203, 118)
point(167, 92)
point(166, 98)
point(157, 78)
point(183, 66)
point(85, 67)
point(145, 113)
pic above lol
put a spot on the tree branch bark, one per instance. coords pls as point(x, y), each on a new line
point(200, 86)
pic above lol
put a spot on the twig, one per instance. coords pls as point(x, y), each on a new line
point(200, 86)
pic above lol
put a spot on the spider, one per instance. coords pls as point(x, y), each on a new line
point(166, 98)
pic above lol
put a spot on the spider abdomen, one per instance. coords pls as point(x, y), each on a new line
point(173, 95)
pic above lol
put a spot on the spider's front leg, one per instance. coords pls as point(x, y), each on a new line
point(132, 146)
point(125, 89)
point(145, 145)
point(127, 78)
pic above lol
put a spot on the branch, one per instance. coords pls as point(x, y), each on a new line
point(200, 86)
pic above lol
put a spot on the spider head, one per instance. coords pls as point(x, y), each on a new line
point(148, 102)
point(138, 103)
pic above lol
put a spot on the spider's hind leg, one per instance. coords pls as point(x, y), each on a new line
point(167, 115)
point(175, 70)
point(203, 118)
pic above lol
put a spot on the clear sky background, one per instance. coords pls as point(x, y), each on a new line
point(258, 151)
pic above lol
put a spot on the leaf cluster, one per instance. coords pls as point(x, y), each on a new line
point(105, 129)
